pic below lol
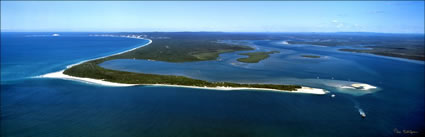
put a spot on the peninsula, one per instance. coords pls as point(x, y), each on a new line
point(172, 50)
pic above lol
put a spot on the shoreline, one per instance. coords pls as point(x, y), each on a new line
point(61, 75)
point(305, 90)
point(81, 62)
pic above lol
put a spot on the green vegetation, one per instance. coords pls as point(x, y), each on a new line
point(181, 50)
point(255, 57)
point(172, 50)
point(310, 56)
point(92, 70)
point(207, 55)
point(410, 46)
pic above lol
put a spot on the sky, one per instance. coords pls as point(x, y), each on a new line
point(242, 16)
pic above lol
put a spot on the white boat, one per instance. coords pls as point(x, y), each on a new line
point(362, 114)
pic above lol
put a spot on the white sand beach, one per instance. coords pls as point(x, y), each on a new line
point(60, 75)
point(306, 90)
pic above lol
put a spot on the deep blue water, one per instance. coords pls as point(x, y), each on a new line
point(54, 107)
point(25, 55)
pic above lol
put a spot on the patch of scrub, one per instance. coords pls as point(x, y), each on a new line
point(311, 56)
point(255, 57)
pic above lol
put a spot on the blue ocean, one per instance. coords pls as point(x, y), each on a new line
point(43, 107)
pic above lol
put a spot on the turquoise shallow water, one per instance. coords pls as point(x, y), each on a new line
point(54, 107)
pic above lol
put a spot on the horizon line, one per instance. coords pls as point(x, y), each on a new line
point(208, 31)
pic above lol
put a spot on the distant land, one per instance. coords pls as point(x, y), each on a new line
point(409, 46)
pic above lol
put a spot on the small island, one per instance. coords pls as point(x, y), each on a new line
point(255, 57)
point(310, 56)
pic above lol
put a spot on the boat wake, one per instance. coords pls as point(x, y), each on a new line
point(360, 110)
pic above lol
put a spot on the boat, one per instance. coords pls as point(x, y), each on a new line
point(362, 114)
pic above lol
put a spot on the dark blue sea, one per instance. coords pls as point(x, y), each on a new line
point(43, 107)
